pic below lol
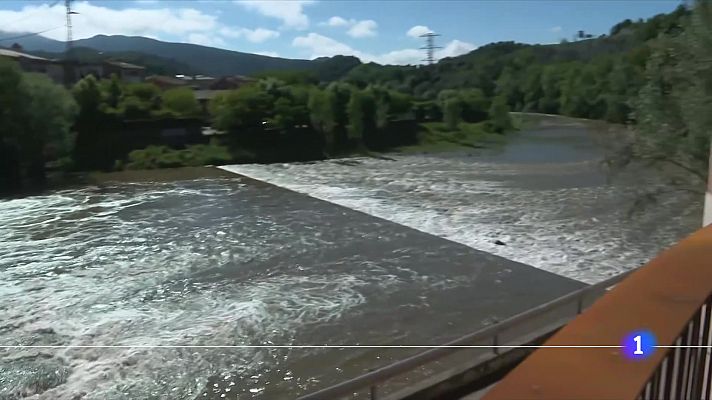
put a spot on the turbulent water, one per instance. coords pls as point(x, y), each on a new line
point(235, 261)
point(546, 196)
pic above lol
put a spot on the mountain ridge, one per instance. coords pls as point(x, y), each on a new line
point(200, 59)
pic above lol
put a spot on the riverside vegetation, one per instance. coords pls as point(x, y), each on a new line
point(654, 75)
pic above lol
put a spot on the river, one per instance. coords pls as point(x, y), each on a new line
point(367, 251)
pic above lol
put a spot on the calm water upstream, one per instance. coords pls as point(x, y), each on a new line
point(233, 261)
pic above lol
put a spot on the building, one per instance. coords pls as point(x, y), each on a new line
point(29, 63)
point(231, 82)
point(55, 69)
point(166, 82)
point(124, 71)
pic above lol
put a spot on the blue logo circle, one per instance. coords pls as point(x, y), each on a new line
point(639, 344)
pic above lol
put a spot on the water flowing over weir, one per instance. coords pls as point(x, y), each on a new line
point(545, 196)
point(227, 262)
point(234, 261)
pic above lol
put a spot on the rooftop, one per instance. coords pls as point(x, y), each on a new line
point(124, 65)
point(17, 54)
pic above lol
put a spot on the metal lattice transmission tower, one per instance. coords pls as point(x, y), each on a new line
point(430, 46)
point(68, 67)
point(68, 24)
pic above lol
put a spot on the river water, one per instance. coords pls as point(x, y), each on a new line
point(234, 261)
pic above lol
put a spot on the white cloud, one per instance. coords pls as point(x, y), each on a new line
point(258, 35)
point(401, 57)
point(192, 25)
point(291, 13)
point(455, 48)
point(362, 29)
point(418, 30)
point(206, 40)
point(556, 29)
point(93, 20)
point(322, 46)
point(357, 29)
point(336, 21)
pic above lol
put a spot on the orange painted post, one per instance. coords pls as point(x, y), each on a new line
point(664, 296)
point(707, 219)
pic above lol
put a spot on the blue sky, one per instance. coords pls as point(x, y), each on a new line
point(381, 31)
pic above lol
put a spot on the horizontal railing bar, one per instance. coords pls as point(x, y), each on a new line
point(372, 378)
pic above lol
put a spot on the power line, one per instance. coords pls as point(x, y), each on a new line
point(24, 35)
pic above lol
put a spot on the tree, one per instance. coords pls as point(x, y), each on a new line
point(13, 103)
point(499, 115)
point(362, 113)
point(244, 108)
point(181, 101)
point(87, 94)
point(35, 123)
point(672, 110)
point(452, 112)
point(474, 105)
point(139, 100)
point(49, 135)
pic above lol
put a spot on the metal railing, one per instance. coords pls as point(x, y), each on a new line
point(671, 297)
point(495, 334)
point(685, 371)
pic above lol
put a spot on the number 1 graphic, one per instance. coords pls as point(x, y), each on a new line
point(638, 345)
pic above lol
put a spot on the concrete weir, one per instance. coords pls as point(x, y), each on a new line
point(495, 289)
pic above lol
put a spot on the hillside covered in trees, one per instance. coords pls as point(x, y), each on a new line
point(655, 75)
point(591, 78)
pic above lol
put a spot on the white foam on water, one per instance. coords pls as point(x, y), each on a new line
point(578, 232)
point(101, 279)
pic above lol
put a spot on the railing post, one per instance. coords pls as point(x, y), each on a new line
point(707, 218)
point(373, 392)
point(495, 343)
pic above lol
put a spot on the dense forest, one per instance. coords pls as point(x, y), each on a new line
point(655, 75)
point(592, 78)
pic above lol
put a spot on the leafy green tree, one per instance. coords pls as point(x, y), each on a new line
point(290, 77)
point(321, 110)
point(112, 92)
point(36, 118)
point(87, 95)
point(13, 106)
point(673, 108)
point(139, 100)
point(361, 113)
point(181, 101)
point(50, 134)
point(474, 104)
point(452, 112)
point(499, 115)
point(244, 108)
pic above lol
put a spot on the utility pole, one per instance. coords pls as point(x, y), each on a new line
point(68, 67)
point(430, 46)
